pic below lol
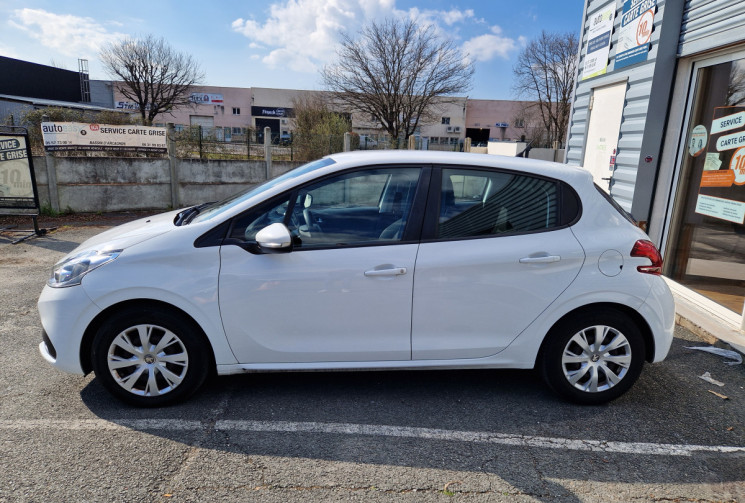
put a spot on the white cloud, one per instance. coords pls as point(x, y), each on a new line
point(67, 34)
point(489, 46)
point(304, 33)
point(9, 52)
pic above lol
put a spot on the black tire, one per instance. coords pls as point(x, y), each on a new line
point(616, 370)
point(167, 374)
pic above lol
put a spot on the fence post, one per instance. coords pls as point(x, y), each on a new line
point(412, 143)
point(248, 145)
point(268, 151)
point(467, 145)
point(199, 130)
point(51, 175)
point(171, 142)
point(347, 142)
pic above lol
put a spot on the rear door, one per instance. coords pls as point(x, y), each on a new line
point(496, 253)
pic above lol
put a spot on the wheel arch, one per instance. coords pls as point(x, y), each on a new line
point(89, 335)
point(632, 314)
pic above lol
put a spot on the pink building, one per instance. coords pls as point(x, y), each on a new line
point(498, 120)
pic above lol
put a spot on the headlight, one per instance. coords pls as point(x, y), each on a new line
point(70, 272)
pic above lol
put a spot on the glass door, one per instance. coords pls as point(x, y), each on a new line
point(706, 245)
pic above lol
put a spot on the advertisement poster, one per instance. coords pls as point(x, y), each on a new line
point(635, 35)
point(16, 173)
point(83, 136)
point(598, 42)
point(722, 189)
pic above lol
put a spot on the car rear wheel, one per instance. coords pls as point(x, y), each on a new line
point(149, 357)
point(593, 357)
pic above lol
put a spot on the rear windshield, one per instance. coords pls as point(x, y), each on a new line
point(617, 206)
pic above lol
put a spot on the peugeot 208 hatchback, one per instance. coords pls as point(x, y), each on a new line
point(379, 260)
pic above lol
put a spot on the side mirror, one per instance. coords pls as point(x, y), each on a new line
point(275, 238)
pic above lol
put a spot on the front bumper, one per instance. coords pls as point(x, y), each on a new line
point(65, 314)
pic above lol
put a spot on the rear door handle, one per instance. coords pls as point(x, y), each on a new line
point(544, 259)
point(396, 271)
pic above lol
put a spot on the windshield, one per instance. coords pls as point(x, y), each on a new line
point(237, 199)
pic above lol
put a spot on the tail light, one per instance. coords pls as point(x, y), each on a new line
point(647, 249)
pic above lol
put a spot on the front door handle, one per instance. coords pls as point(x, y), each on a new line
point(395, 271)
point(543, 259)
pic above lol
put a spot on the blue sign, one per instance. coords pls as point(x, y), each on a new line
point(502, 124)
point(635, 34)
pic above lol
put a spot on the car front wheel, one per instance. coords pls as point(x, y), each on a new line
point(149, 357)
point(593, 357)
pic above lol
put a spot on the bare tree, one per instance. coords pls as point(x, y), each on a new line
point(151, 73)
point(545, 73)
point(397, 72)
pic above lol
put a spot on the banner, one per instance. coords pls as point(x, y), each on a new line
point(635, 34)
point(17, 182)
point(598, 42)
point(82, 136)
point(206, 98)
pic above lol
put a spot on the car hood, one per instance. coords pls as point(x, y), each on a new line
point(129, 234)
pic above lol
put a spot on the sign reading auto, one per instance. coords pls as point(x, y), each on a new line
point(83, 136)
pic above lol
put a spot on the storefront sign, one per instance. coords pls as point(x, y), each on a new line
point(17, 182)
point(502, 124)
point(720, 190)
point(734, 121)
point(206, 98)
point(272, 112)
point(82, 136)
point(637, 20)
point(598, 42)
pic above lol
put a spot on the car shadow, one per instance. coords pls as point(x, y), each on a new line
point(499, 402)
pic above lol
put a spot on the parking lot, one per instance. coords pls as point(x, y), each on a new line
point(483, 435)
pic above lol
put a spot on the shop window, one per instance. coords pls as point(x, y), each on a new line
point(706, 244)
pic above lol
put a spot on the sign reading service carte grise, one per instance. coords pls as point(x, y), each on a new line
point(82, 136)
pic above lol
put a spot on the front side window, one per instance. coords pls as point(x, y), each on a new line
point(446, 120)
point(481, 203)
point(363, 207)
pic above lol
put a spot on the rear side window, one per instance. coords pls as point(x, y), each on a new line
point(482, 203)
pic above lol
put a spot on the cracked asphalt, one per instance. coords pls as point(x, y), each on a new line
point(63, 438)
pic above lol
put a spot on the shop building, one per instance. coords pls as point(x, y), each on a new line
point(658, 118)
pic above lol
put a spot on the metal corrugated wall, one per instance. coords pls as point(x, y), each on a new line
point(709, 24)
point(633, 121)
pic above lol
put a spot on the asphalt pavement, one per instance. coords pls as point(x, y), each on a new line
point(478, 435)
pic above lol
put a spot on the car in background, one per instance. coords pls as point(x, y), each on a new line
point(369, 260)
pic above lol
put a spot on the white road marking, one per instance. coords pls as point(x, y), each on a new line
point(643, 448)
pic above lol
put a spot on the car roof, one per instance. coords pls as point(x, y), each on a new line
point(574, 175)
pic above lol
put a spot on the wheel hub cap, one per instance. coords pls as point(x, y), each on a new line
point(148, 360)
point(596, 359)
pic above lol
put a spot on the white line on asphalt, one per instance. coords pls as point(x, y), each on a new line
point(370, 430)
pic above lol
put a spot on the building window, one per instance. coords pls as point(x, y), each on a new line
point(519, 122)
point(236, 111)
point(237, 130)
point(178, 127)
point(446, 120)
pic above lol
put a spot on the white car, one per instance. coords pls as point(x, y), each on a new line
point(369, 260)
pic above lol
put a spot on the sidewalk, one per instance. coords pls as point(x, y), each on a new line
point(705, 318)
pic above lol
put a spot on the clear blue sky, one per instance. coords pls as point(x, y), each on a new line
point(275, 43)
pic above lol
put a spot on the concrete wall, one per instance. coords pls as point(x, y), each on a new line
point(104, 184)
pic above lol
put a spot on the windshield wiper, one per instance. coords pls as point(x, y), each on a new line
point(185, 216)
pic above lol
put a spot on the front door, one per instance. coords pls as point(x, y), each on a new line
point(344, 293)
